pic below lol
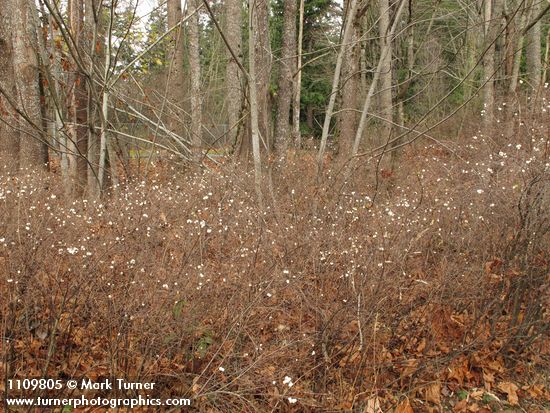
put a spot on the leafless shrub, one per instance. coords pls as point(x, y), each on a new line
point(184, 282)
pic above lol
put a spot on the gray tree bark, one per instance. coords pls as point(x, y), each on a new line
point(263, 69)
point(350, 98)
point(233, 34)
point(9, 137)
point(488, 63)
point(20, 81)
point(298, 83)
point(287, 67)
point(253, 21)
point(386, 100)
point(259, 10)
point(518, 49)
point(347, 35)
point(195, 74)
point(77, 146)
point(175, 86)
point(533, 47)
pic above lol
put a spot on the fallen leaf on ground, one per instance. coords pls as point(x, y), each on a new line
point(433, 393)
point(511, 391)
point(373, 406)
point(404, 407)
point(460, 406)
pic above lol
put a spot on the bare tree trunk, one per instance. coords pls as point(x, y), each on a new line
point(175, 74)
point(386, 101)
point(263, 69)
point(368, 99)
point(471, 44)
point(9, 137)
point(404, 89)
point(546, 59)
point(254, 109)
point(518, 50)
point(284, 97)
point(348, 29)
point(488, 64)
point(298, 83)
point(91, 24)
point(512, 20)
point(59, 134)
point(195, 73)
point(25, 60)
point(350, 95)
point(233, 34)
point(262, 64)
point(104, 143)
point(78, 107)
point(533, 48)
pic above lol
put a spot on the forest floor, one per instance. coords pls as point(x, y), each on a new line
point(423, 288)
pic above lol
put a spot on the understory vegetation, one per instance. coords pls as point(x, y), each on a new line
point(422, 287)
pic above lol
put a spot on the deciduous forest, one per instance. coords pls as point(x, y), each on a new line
point(275, 205)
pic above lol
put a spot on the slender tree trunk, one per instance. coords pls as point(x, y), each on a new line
point(263, 69)
point(546, 59)
point(9, 137)
point(471, 43)
point(195, 74)
point(404, 89)
point(284, 97)
point(175, 86)
point(510, 39)
point(518, 51)
point(348, 29)
point(25, 48)
point(59, 133)
point(488, 64)
point(233, 34)
point(253, 95)
point(104, 143)
point(533, 49)
point(91, 24)
point(386, 100)
point(350, 95)
point(78, 106)
point(368, 99)
point(298, 83)
point(310, 118)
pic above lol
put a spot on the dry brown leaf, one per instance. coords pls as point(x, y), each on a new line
point(421, 346)
point(511, 390)
point(373, 406)
point(477, 394)
point(458, 371)
point(409, 367)
point(460, 406)
point(195, 388)
point(489, 379)
point(535, 390)
point(496, 365)
point(404, 407)
point(433, 393)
